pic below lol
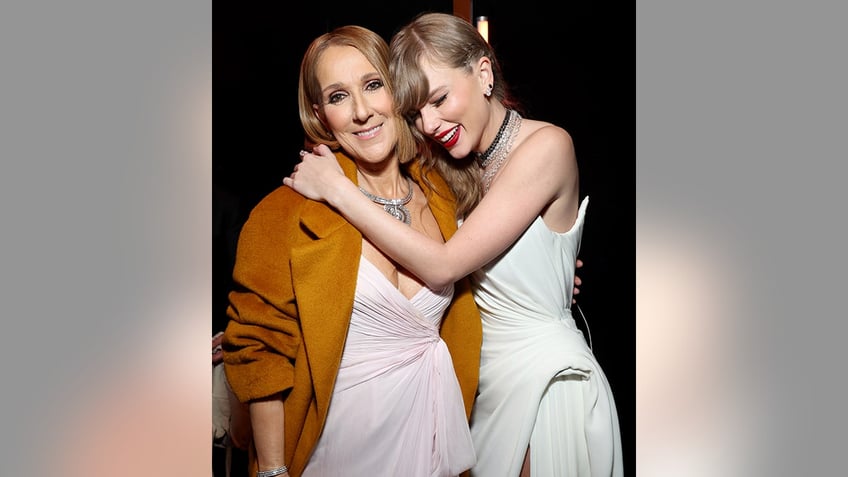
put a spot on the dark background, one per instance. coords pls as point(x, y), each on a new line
point(570, 63)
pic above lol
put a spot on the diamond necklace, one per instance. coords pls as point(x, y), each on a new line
point(494, 157)
point(485, 158)
point(394, 207)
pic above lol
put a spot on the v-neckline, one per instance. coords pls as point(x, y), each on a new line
point(392, 285)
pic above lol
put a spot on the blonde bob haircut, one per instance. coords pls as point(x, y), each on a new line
point(376, 51)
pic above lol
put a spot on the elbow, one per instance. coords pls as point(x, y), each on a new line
point(437, 284)
point(440, 279)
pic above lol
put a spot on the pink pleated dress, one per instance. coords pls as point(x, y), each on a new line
point(397, 408)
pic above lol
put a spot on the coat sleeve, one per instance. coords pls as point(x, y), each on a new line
point(263, 335)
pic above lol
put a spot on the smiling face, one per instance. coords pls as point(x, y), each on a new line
point(355, 104)
point(456, 112)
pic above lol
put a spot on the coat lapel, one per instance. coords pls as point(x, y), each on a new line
point(324, 271)
point(440, 200)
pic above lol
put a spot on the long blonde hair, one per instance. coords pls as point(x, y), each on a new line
point(448, 40)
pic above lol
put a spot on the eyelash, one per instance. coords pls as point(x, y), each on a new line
point(440, 100)
point(338, 97)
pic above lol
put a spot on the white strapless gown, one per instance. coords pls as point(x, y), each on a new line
point(540, 384)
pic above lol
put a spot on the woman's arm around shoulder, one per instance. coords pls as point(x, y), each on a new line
point(535, 175)
point(540, 171)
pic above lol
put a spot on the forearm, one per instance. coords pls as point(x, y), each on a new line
point(319, 177)
point(267, 417)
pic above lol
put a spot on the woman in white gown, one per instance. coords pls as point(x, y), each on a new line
point(544, 406)
point(539, 381)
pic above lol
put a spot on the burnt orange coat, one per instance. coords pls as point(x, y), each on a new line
point(295, 275)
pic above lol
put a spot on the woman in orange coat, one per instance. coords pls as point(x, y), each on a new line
point(298, 273)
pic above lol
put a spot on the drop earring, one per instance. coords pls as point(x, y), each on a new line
point(488, 91)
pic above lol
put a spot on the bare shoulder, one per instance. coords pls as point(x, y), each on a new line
point(550, 159)
point(545, 134)
point(546, 142)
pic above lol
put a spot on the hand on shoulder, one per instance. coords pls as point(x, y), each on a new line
point(314, 177)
